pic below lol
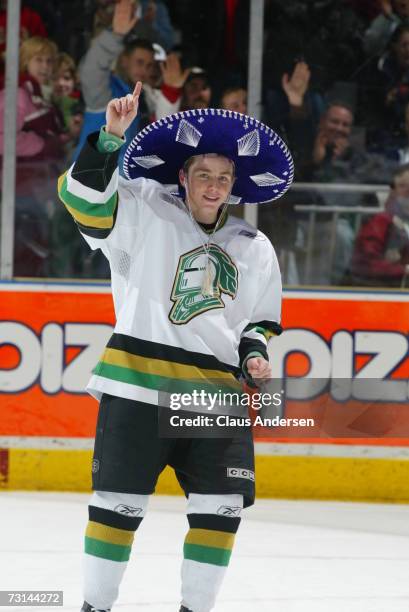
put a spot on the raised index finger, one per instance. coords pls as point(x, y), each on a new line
point(137, 91)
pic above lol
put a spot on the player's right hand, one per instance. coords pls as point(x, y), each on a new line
point(122, 111)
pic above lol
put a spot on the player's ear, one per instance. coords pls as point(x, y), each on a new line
point(182, 178)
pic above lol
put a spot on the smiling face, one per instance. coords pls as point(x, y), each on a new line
point(209, 180)
point(40, 67)
point(337, 123)
point(64, 82)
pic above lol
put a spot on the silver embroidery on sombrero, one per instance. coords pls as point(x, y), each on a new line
point(266, 179)
point(188, 134)
point(249, 144)
point(147, 161)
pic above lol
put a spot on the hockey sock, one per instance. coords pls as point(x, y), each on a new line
point(113, 520)
point(214, 521)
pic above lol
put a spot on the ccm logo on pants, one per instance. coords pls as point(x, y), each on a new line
point(239, 473)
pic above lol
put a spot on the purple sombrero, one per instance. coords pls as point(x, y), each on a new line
point(264, 166)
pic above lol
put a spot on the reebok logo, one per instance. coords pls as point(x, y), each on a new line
point(229, 510)
point(127, 510)
point(240, 473)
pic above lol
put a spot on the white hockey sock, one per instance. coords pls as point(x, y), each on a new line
point(213, 521)
point(113, 520)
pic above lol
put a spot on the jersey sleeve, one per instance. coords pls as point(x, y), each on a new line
point(89, 191)
point(266, 316)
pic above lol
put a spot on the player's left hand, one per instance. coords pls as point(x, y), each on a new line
point(258, 368)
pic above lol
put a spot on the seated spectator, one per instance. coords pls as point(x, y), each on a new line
point(377, 36)
point(234, 99)
point(381, 253)
point(40, 151)
point(326, 153)
point(197, 92)
point(133, 62)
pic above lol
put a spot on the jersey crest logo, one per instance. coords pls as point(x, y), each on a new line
point(187, 286)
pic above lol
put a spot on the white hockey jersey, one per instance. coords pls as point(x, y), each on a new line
point(166, 330)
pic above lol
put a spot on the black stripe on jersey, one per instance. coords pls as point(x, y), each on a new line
point(154, 350)
point(113, 519)
point(214, 522)
point(92, 168)
point(94, 232)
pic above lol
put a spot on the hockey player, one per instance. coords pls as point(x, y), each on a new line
point(197, 294)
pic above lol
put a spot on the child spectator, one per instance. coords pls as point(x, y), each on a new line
point(67, 96)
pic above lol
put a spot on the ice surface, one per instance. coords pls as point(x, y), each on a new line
point(290, 556)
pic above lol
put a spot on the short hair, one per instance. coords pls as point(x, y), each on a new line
point(188, 163)
point(340, 102)
point(230, 90)
point(404, 169)
point(66, 62)
point(35, 46)
point(137, 43)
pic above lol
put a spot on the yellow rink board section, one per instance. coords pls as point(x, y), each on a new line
point(291, 477)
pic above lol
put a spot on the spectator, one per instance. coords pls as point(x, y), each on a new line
point(324, 150)
point(31, 24)
point(39, 127)
point(377, 36)
point(67, 96)
point(196, 91)
point(326, 153)
point(381, 254)
point(234, 99)
point(384, 90)
point(40, 150)
point(152, 20)
point(134, 61)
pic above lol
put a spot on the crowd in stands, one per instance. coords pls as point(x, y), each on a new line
point(335, 87)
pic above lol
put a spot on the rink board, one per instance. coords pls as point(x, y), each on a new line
point(51, 335)
point(290, 476)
